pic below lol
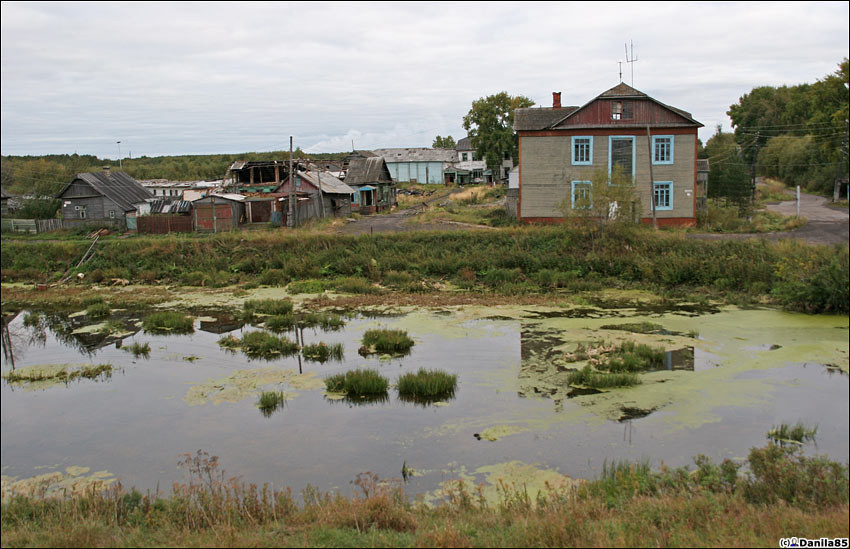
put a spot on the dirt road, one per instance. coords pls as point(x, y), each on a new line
point(825, 224)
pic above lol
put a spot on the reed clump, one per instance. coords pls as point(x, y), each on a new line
point(138, 349)
point(262, 344)
point(168, 322)
point(427, 385)
point(392, 342)
point(322, 352)
point(359, 383)
point(268, 306)
point(271, 401)
point(588, 377)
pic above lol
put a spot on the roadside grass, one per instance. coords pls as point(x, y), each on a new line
point(537, 260)
point(709, 505)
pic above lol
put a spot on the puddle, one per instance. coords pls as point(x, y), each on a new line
point(717, 395)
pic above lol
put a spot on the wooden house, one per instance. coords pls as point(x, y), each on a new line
point(560, 148)
point(418, 165)
point(334, 200)
point(112, 196)
point(373, 189)
point(256, 176)
point(9, 204)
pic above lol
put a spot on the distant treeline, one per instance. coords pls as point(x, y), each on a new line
point(797, 134)
point(46, 175)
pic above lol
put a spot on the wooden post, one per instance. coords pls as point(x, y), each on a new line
point(651, 178)
point(321, 196)
point(212, 200)
point(290, 219)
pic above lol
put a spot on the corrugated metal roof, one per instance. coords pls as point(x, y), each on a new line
point(417, 154)
point(116, 186)
point(330, 184)
point(362, 171)
point(171, 207)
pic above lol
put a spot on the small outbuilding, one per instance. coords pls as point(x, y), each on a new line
point(106, 195)
point(219, 212)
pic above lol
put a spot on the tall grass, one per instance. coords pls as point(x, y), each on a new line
point(387, 341)
point(268, 306)
point(168, 322)
point(633, 357)
point(596, 380)
point(270, 402)
point(322, 352)
point(712, 505)
point(427, 385)
point(358, 383)
point(261, 344)
point(138, 349)
point(98, 310)
point(798, 434)
point(536, 259)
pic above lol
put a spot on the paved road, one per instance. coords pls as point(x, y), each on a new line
point(825, 224)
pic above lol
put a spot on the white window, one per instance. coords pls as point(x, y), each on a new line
point(662, 149)
point(582, 153)
point(663, 193)
point(581, 195)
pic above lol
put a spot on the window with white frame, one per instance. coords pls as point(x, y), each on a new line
point(82, 212)
point(581, 195)
point(662, 149)
point(663, 193)
point(582, 150)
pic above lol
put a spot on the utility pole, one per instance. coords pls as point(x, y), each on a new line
point(321, 196)
point(753, 169)
point(290, 218)
point(651, 178)
point(120, 165)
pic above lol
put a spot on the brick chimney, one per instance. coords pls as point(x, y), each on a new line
point(556, 100)
point(106, 170)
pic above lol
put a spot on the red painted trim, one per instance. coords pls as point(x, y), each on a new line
point(657, 130)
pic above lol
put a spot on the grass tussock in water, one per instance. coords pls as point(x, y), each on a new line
point(387, 341)
point(427, 385)
point(786, 434)
point(265, 345)
point(587, 377)
point(632, 357)
point(280, 323)
point(138, 349)
point(271, 401)
point(168, 322)
point(358, 383)
point(707, 505)
point(322, 352)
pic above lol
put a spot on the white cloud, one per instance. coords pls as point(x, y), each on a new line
point(217, 77)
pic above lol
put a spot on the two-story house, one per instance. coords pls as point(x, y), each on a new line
point(560, 148)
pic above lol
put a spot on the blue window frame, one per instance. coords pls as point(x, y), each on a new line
point(621, 152)
point(662, 149)
point(582, 150)
point(663, 193)
point(581, 194)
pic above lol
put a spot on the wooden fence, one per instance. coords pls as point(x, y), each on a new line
point(48, 225)
point(162, 224)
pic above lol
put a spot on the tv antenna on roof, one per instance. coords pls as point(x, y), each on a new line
point(620, 63)
point(630, 59)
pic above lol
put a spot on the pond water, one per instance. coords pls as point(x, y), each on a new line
point(729, 376)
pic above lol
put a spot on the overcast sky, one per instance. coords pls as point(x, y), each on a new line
point(202, 78)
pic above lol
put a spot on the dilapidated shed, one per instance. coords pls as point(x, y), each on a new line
point(219, 212)
point(372, 184)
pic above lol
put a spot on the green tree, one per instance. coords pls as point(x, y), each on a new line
point(728, 176)
point(605, 203)
point(444, 142)
point(489, 124)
